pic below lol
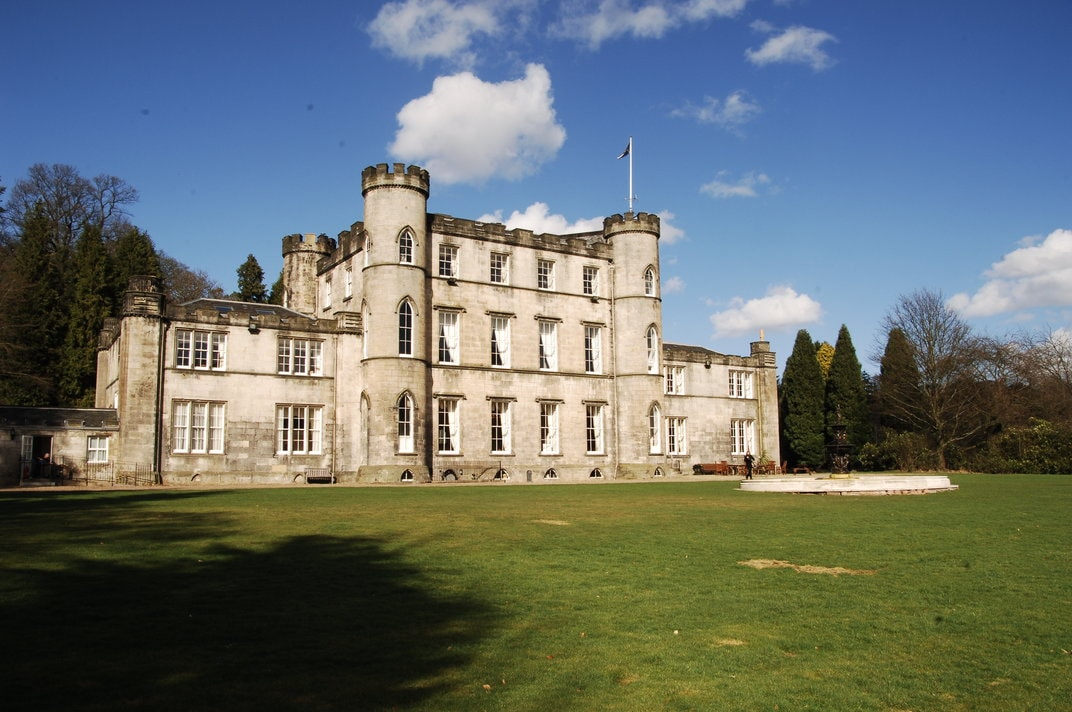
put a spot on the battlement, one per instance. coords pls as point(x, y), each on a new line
point(591, 244)
point(308, 243)
point(630, 222)
point(398, 176)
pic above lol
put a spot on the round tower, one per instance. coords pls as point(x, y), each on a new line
point(394, 275)
point(637, 335)
point(300, 256)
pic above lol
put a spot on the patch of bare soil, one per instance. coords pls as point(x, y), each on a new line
point(552, 522)
point(805, 568)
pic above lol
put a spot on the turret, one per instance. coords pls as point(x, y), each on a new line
point(300, 255)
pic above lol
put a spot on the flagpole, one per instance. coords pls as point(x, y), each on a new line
point(630, 175)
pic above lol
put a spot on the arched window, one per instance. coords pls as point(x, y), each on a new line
point(404, 406)
point(649, 282)
point(596, 474)
point(655, 429)
point(368, 250)
point(405, 247)
point(550, 474)
point(653, 349)
point(405, 328)
point(658, 472)
point(407, 476)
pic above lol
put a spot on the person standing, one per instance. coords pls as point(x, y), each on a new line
point(749, 463)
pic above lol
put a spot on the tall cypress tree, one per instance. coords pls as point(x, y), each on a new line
point(898, 383)
point(846, 396)
point(89, 305)
point(802, 404)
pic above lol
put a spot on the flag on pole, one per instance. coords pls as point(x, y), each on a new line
point(626, 151)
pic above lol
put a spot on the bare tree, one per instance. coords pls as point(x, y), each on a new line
point(1045, 363)
point(947, 407)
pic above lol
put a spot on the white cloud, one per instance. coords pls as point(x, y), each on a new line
point(469, 130)
point(611, 19)
point(538, 218)
point(746, 187)
point(800, 45)
point(731, 113)
point(668, 232)
point(421, 29)
point(673, 285)
point(1038, 274)
point(780, 309)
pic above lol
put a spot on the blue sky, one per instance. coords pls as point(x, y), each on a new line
point(812, 160)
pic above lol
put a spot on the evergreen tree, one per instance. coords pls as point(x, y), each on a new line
point(251, 282)
point(35, 315)
point(802, 405)
point(898, 382)
point(846, 395)
point(276, 295)
point(132, 254)
point(89, 305)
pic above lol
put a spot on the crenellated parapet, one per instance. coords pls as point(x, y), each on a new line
point(397, 176)
point(321, 244)
point(630, 222)
point(590, 244)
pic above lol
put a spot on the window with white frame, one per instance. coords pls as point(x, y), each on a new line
point(593, 349)
point(549, 428)
point(405, 247)
point(404, 411)
point(500, 268)
point(675, 380)
point(500, 427)
point(677, 439)
point(96, 449)
point(545, 274)
point(448, 261)
point(740, 384)
point(348, 283)
point(368, 250)
point(593, 428)
point(655, 429)
point(405, 328)
point(448, 427)
point(197, 427)
point(300, 357)
point(200, 350)
point(327, 292)
point(590, 280)
point(652, 343)
point(742, 436)
point(649, 282)
point(548, 345)
point(299, 429)
point(448, 337)
point(500, 341)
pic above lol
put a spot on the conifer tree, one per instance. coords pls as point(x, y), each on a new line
point(276, 295)
point(846, 396)
point(802, 405)
point(132, 254)
point(89, 305)
point(251, 282)
point(898, 383)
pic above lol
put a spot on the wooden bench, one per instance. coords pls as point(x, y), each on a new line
point(801, 470)
point(319, 474)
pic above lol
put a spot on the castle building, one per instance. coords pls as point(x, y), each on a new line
point(422, 347)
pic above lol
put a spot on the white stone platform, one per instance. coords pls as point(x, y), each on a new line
point(855, 485)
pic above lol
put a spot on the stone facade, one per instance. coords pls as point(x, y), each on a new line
point(422, 347)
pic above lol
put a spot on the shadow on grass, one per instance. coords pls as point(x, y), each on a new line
point(309, 622)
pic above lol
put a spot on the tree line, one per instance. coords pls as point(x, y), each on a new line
point(67, 252)
point(945, 398)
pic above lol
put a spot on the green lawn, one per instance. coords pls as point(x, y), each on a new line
point(586, 597)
